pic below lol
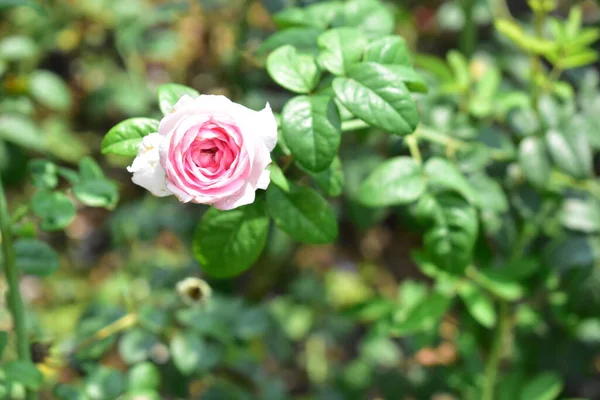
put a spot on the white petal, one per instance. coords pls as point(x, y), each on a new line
point(245, 195)
point(146, 168)
point(264, 180)
point(265, 120)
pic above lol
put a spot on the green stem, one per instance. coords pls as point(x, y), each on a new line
point(536, 61)
point(15, 302)
point(413, 147)
point(468, 35)
point(491, 368)
point(353, 125)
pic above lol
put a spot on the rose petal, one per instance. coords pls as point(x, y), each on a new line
point(146, 168)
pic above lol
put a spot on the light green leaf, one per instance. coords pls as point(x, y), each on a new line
point(571, 153)
point(187, 351)
point(424, 316)
point(479, 304)
point(144, 376)
point(23, 372)
point(581, 215)
point(35, 257)
point(92, 188)
point(55, 209)
point(341, 48)
point(489, 193)
point(450, 242)
point(104, 384)
point(227, 243)
point(460, 69)
point(170, 93)
point(49, 90)
point(135, 346)
point(545, 386)
point(21, 131)
point(18, 48)
point(311, 129)
point(388, 50)
point(302, 213)
point(534, 161)
point(296, 72)
point(370, 16)
point(124, 139)
point(502, 286)
point(441, 173)
point(376, 94)
point(399, 180)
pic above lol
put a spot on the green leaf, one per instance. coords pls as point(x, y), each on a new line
point(55, 209)
point(581, 215)
point(545, 386)
point(483, 101)
point(341, 48)
point(370, 16)
point(303, 214)
point(479, 304)
point(4, 4)
point(533, 160)
point(21, 131)
point(187, 351)
point(399, 180)
point(104, 384)
point(424, 316)
point(18, 48)
point(49, 90)
point(388, 50)
point(170, 93)
point(441, 173)
point(376, 94)
point(489, 193)
point(296, 72)
point(35, 257)
point(143, 376)
point(303, 39)
point(460, 69)
point(449, 243)
point(411, 78)
point(124, 139)
point(501, 286)
point(311, 129)
point(44, 174)
point(571, 153)
point(227, 243)
point(3, 342)
point(331, 180)
point(135, 345)
point(23, 372)
point(99, 192)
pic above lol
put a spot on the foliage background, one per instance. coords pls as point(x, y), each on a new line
point(349, 320)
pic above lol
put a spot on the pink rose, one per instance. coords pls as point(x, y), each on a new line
point(208, 150)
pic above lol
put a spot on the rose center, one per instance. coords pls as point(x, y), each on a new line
point(205, 158)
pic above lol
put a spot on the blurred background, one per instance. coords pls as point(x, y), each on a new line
point(303, 322)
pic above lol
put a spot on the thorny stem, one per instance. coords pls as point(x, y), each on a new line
point(15, 302)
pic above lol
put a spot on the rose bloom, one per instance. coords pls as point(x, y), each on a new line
point(208, 150)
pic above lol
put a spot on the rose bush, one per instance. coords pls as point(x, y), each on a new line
point(208, 150)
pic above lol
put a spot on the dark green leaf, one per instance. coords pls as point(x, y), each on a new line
point(99, 192)
point(533, 160)
point(489, 193)
point(303, 214)
point(450, 242)
point(226, 243)
point(311, 129)
point(571, 152)
point(170, 93)
point(35, 257)
point(331, 181)
point(303, 39)
point(376, 94)
point(296, 72)
point(399, 180)
point(124, 139)
point(55, 209)
point(104, 384)
point(44, 173)
point(341, 48)
point(3, 342)
point(49, 90)
point(23, 372)
point(423, 316)
point(135, 345)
